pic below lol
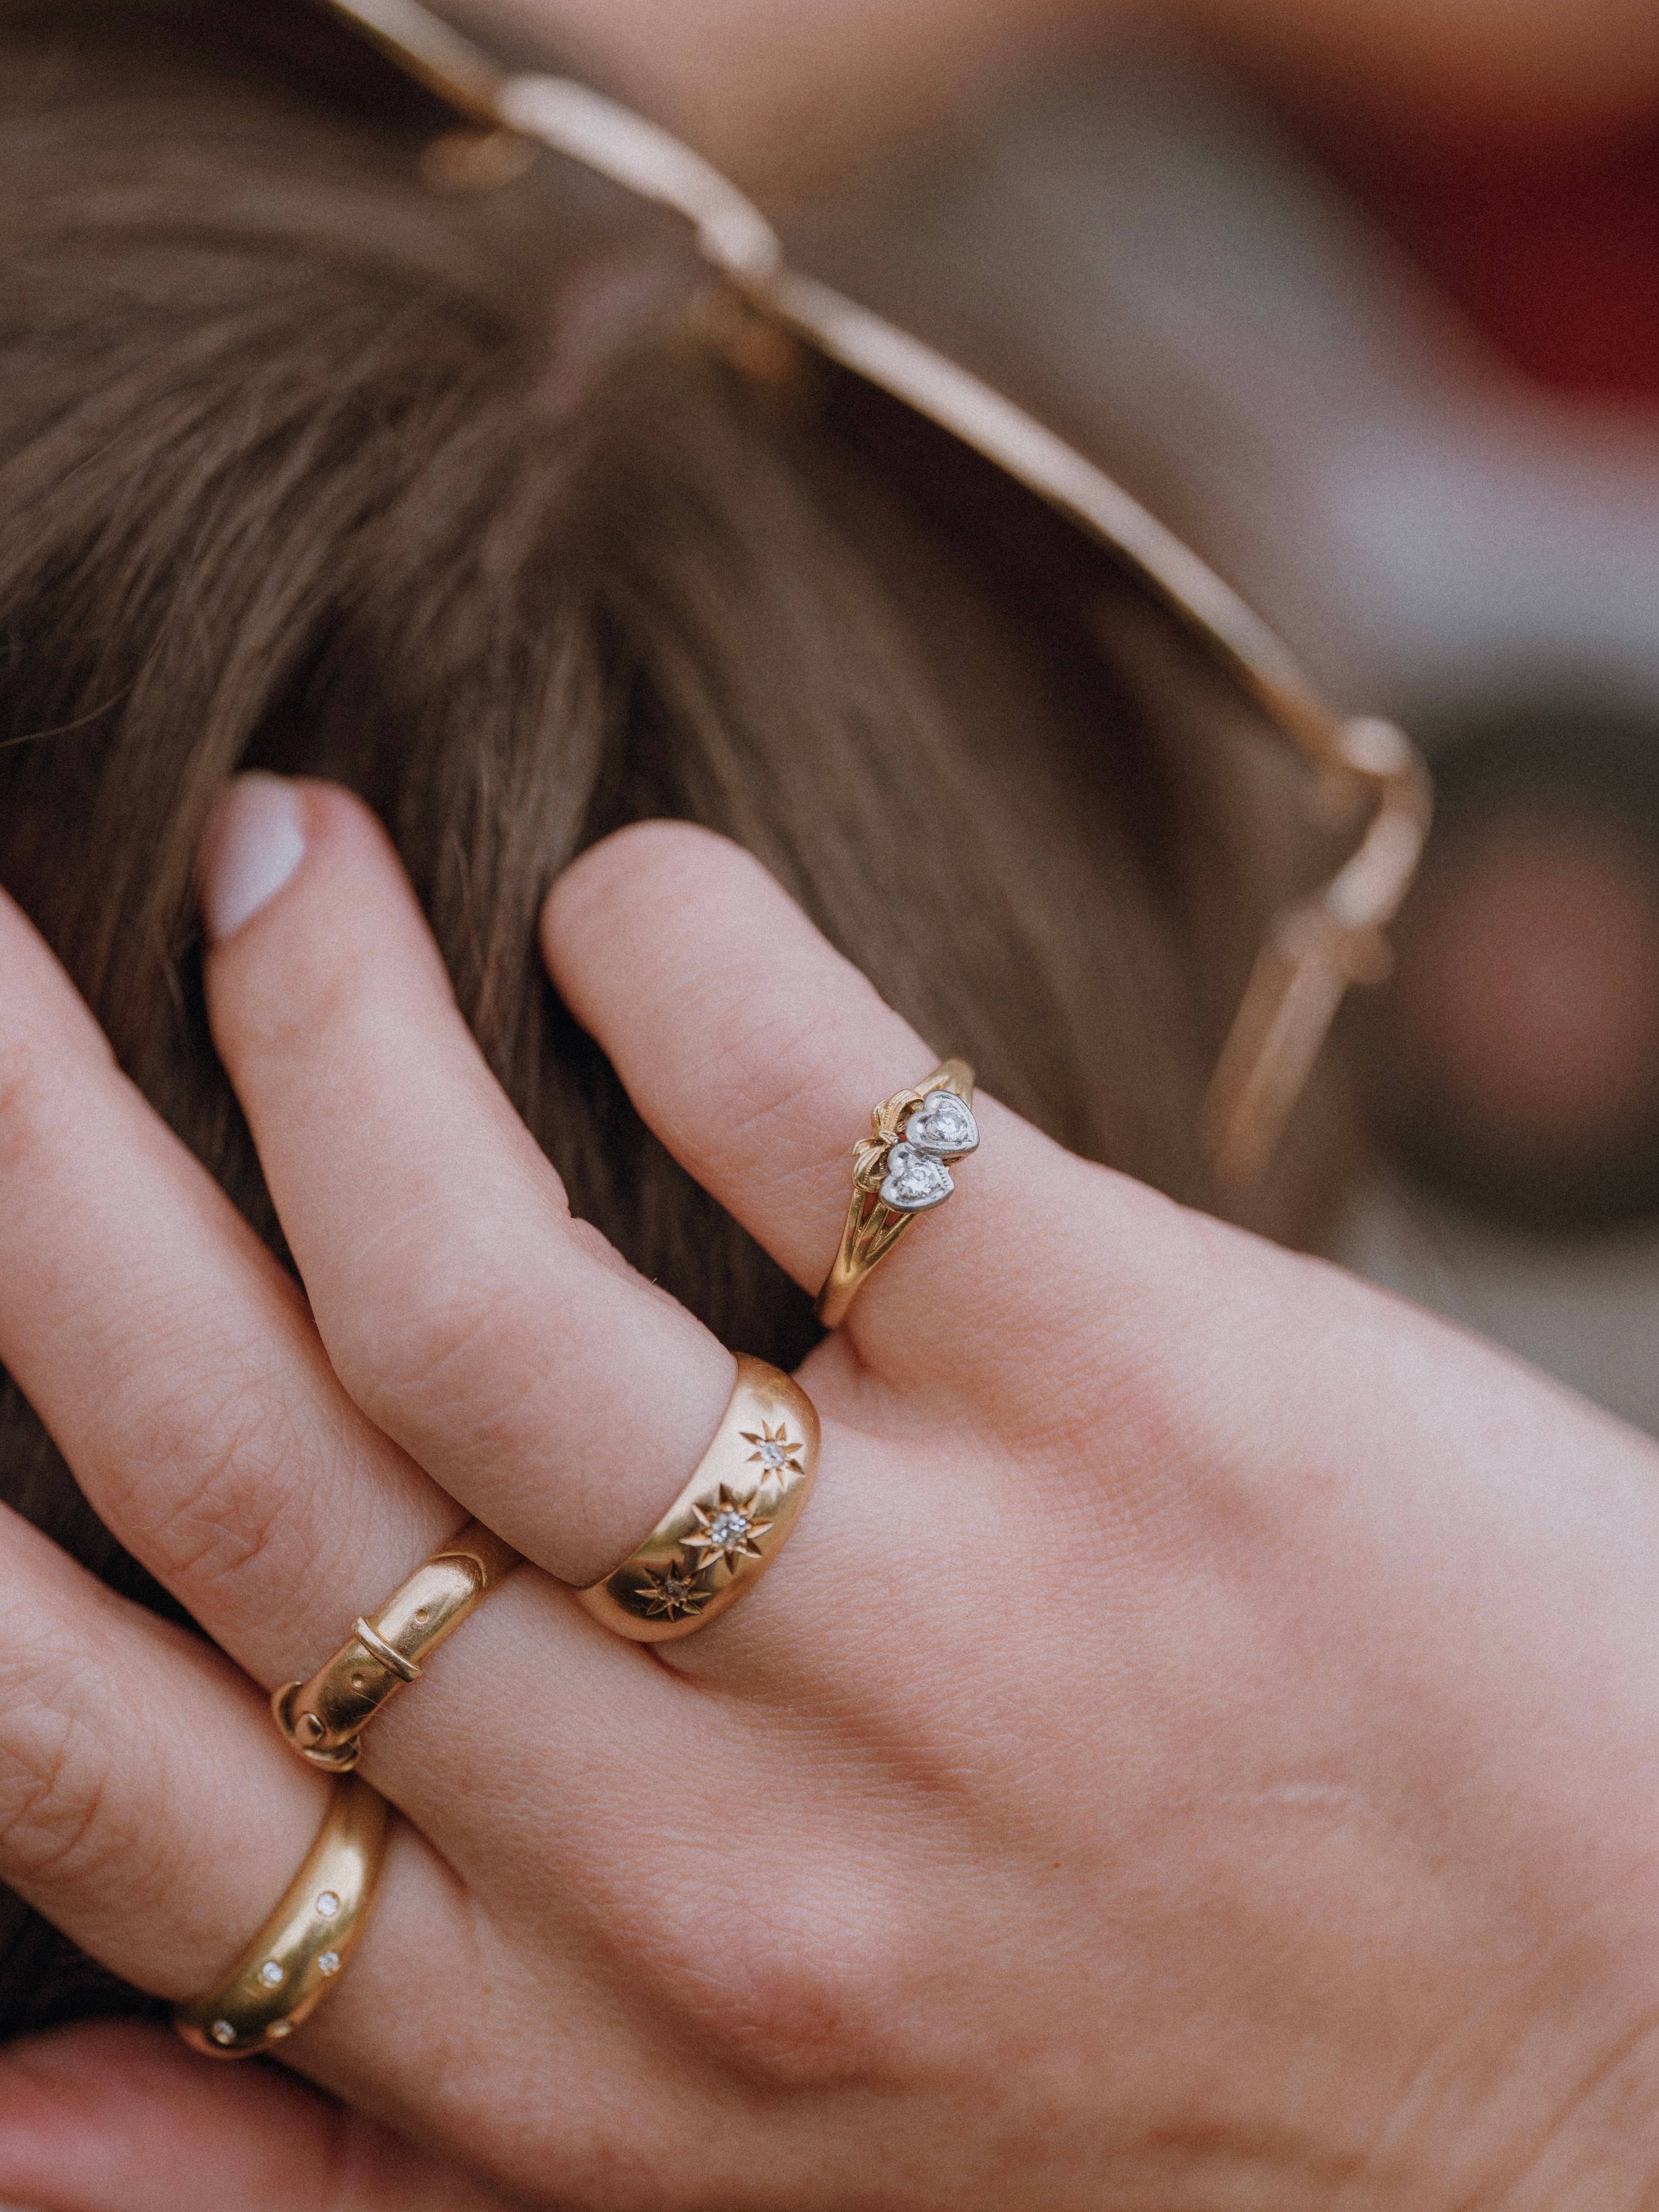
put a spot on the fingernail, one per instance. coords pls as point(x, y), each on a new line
point(254, 842)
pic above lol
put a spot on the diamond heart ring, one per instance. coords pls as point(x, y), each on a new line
point(728, 1523)
point(900, 1169)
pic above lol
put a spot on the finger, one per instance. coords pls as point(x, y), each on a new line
point(149, 1811)
point(756, 1053)
point(179, 1369)
point(113, 2117)
point(173, 1360)
point(560, 1397)
point(147, 1807)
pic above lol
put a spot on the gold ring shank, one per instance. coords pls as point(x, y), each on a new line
point(298, 1954)
point(323, 1719)
point(873, 1228)
point(728, 1523)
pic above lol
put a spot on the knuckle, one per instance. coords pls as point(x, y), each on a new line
point(799, 1991)
point(59, 1826)
point(33, 1087)
point(414, 1361)
point(231, 1522)
point(212, 1480)
point(772, 1073)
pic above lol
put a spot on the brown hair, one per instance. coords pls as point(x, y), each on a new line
point(307, 465)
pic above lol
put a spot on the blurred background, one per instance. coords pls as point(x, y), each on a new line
point(1362, 296)
point(1400, 395)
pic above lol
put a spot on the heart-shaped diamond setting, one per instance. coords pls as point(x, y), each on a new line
point(942, 1124)
point(915, 1180)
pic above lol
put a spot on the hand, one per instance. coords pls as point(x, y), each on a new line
point(1199, 1748)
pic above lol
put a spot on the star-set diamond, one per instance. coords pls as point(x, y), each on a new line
point(775, 1449)
point(677, 1590)
point(726, 1530)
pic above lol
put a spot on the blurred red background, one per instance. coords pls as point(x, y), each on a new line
point(1551, 249)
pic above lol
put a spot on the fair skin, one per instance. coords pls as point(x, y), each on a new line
point(786, 94)
point(1198, 1750)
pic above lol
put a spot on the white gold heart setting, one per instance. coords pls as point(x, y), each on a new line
point(915, 1181)
point(942, 1124)
point(941, 1128)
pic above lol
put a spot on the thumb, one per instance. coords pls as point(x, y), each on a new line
point(111, 2116)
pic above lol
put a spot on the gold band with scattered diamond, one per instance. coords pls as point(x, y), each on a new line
point(297, 1956)
point(728, 1523)
point(900, 1169)
point(323, 1719)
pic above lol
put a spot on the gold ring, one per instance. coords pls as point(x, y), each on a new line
point(324, 1718)
point(900, 1169)
point(728, 1523)
point(296, 1959)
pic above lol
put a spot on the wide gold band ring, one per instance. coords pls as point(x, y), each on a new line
point(900, 1169)
point(728, 1523)
point(298, 1954)
point(324, 1718)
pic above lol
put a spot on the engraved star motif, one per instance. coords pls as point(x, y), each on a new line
point(774, 1448)
point(678, 1589)
point(728, 1531)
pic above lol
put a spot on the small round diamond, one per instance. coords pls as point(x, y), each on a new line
point(272, 1974)
point(279, 2028)
point(328, 1904)
point(772, 1453)
point(223, 2032)
point(677, 1589)
point(328, 1962)
point(729, 1526)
